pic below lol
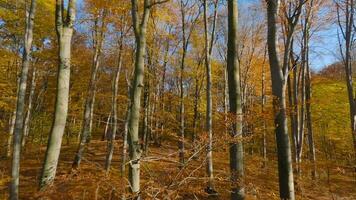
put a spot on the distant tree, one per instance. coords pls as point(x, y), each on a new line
point(99, 28)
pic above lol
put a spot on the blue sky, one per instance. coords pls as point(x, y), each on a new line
point(324, 46)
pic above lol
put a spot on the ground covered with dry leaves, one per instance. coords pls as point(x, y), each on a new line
point(163, 179)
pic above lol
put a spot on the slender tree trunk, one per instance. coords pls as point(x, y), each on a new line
point(20, 108)
point(64, 34)
point(263, 104)
point(346, 27)
point(196, 114)
point(144, 131)
point(26, 128)
point(312, 157)
point(115, 91)
point(285, 170)
point(91, 118)
point(209, 99)
point(226, 100)
point(140, 27)
point(308, 86)
point(12, 124)
point(107, 126)
point(236, 147)
point(125, 144)
point(162, 95)
point(89, 102)
point(181, 88)
point(301, 110)
point(181, 113)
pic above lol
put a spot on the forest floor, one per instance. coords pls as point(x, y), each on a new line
point(162, 179)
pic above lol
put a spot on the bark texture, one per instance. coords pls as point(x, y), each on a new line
point(234, 87)
point(20, 107)
point(64, 27)
point(285, 170)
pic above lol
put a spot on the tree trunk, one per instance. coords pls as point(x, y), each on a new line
point(285, 170)
point(89, 102)
point(115, 88)
point(196, 114)
point(236, 147)
point(144, 132)
point(209, 104)
point(26, 127)
point(135, 96)
point(12, 124)
point(312, 157)
point(20, 108)
point(308, 87)
point(64, 35)
point(263, 104)
point(124, 146)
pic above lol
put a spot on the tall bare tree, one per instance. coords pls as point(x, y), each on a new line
point(64, 28)
point(279, 76)
point(346, 36)
point(235, 101)
point(209, 43)
point(20, 107)
point(98, 39)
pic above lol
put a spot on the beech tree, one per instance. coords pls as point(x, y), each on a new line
point(209, 105)
point(64, 28)
point(20, 107)
point(234, 87)
point(279, 76)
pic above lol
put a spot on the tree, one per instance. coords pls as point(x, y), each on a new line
point(64, 29)
point(139, 26)
point(279, 76)
point(115, 88)
point(209, 105)
point(26, 127)
point(346, 36)
point(234, 87)
point(98, 39)
point(20, 108)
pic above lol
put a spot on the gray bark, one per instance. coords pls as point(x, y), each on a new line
point(181, 88)
point(209, 104)
point(124, 146)
point(263, 104)
point(64, 28)
point(106, 130)
point(26, 127)
point(20, 108)
point(12, 124)
point(234, 86)
point(140, 26)
point(146, 101)
point(308, 86)
point(285, 170)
